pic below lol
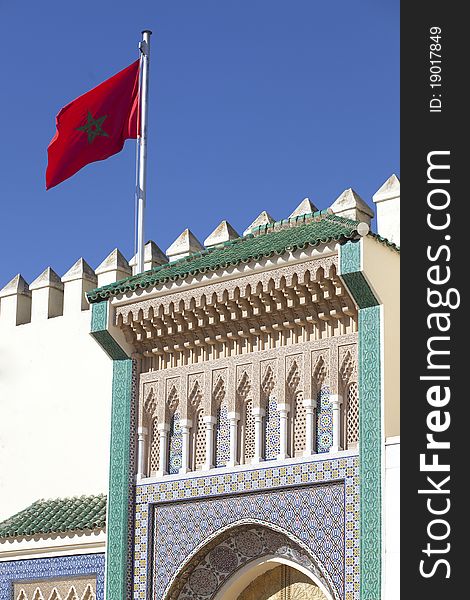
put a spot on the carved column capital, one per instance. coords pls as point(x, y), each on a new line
point(209, 420)
point(336, 400)
point(310, 403)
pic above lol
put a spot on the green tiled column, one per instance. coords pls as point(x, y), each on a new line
point(118, 494)
point(370, 421)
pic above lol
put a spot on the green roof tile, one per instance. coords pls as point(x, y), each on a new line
point(271, 239)
point(57, 516)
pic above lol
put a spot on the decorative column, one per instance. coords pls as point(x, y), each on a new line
point(310, 406)
point(336, 400)
point(121, 470)
point(141, 452)
point(210, 439)
point(185, 425)
point(258, 414)
point(163, 430)
point(233, 418)
point(283, 410)
point(371, 475)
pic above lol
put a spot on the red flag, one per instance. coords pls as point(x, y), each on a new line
point(94, 126)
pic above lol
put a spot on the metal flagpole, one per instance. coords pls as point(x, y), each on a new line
point(141, 187)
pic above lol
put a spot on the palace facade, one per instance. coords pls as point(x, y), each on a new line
point(248, 389)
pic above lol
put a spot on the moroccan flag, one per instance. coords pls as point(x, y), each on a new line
point(94, 126)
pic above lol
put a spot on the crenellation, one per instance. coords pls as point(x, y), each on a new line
point(113, 268)
point(47, 296)
point(387, 200)
point(15, 302)
point(50, 296)
point(153, 257)
point(224, 232)
point(78, 280)
point(350, 205)
point(184, 245)
point(304, 208)
point(264, 218)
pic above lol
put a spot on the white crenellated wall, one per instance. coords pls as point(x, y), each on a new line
point(55, 388)
point(55, 384)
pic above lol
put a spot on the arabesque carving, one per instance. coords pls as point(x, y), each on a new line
point(260, 311)
point(239, 388)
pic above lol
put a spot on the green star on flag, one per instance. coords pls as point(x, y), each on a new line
point(93, 127)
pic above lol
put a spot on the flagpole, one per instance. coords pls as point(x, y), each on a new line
point(141, 187)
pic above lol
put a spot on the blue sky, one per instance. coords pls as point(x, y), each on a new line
point(254, 105)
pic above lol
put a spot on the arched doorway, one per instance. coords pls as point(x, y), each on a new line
point(247, 558)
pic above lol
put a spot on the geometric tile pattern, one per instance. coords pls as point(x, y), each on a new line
point(313, 514)
point(51, 568)
point(199, 441)
point(315, 502)
point(324, 421)
point(222, 432)
point(176, 444)
point(132, 469)
point(248, 433)
point(299, 425)
point(370, 418)
point(211, 568)
point(370, 451)
point(352, 417)
point(272, 430)
point(119, 499)
point(154, 447)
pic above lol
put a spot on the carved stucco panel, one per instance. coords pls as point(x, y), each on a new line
point(315, 359)
point(244, 384)
point(231, 390)
point(320, 373)
point(148, 408)
point(224, 291)
point(219, 387)
point(347, 361)
point(294, 375)
point(269, 379)
point(195, 392)
point(172, 394)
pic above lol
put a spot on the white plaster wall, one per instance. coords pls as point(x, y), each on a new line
point(381, 266)
point(392, 519)
point(55, 405)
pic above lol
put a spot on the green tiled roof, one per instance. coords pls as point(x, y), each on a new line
point(272, 239)
point(57, 516)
